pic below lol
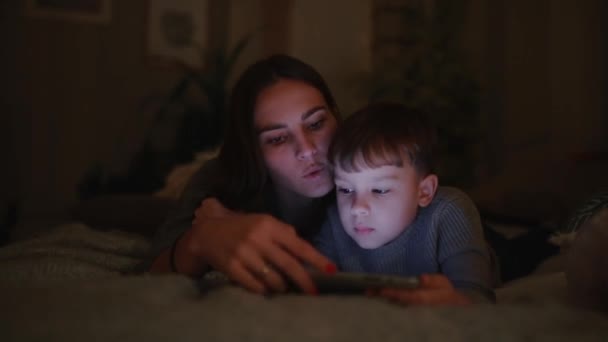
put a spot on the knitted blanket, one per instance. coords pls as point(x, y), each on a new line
point(170, 307)
point(70, 285)
point(71, 251)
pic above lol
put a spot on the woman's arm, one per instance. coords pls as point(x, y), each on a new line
point(256, 251)
point(176, 228)
point(184, 257)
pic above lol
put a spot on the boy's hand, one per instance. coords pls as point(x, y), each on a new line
point(434, 289)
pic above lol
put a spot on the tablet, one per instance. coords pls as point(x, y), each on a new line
point(338, 283)
point(358, 283)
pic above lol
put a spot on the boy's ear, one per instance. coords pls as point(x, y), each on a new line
point(426, 189)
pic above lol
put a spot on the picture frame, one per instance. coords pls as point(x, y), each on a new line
point(89, 11)
point(177, 31)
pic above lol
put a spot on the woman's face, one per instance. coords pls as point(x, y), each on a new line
point(295, 127)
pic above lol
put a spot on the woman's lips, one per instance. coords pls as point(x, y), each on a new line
point(313, 172)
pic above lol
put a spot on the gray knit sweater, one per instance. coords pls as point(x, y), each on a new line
point(446, 237)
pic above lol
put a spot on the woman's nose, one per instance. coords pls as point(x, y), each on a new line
point(306, 147)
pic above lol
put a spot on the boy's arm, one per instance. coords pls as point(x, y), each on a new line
point(324, 240)
point(462, 252)
point(463, 259)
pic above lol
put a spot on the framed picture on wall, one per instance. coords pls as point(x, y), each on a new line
point(93, 11)
point(177, 31)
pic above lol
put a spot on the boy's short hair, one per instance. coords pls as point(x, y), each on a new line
point(382, 134)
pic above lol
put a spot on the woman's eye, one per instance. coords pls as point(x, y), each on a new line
point(380, 191)
point(276, 140)
point(316, 125)
point(345, 191)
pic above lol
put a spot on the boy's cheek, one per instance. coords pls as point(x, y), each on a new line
point(342, 205)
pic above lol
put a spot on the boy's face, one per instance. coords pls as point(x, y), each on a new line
point(377, 204)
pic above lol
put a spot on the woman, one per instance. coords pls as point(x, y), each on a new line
point(250, 212)
point(282, 117)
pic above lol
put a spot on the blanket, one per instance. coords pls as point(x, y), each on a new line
point(74, 285)
point(71, 251)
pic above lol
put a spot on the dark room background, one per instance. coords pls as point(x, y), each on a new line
point(72, 90)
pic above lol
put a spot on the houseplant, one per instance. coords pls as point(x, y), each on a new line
point(194, 111)
point(428, 73)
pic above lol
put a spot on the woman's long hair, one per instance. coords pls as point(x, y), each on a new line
point(243, 175)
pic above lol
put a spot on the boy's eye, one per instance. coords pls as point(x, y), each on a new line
point(380, 191)
point(317, 124)
point(345, 191)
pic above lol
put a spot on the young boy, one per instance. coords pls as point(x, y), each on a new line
point(391, 217)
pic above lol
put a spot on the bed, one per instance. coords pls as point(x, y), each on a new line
point(76, 283)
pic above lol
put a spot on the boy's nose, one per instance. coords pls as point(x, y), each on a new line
point(359, 207)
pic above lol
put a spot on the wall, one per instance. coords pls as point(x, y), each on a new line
point(555, 76)
point(335, 36)
point(543, 71)
point(72, 92)
point(578, 69)
point(9, 176)
point(541, 65)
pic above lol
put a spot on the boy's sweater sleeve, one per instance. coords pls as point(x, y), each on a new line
point(324, 240)
point(463, 254)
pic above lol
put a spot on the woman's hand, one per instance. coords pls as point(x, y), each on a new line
point(255, 250)
point(434, 289)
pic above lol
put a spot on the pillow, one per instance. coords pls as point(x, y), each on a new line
point(180, 176)
point(585, 211)
point(565, 236)
point(587, 263)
